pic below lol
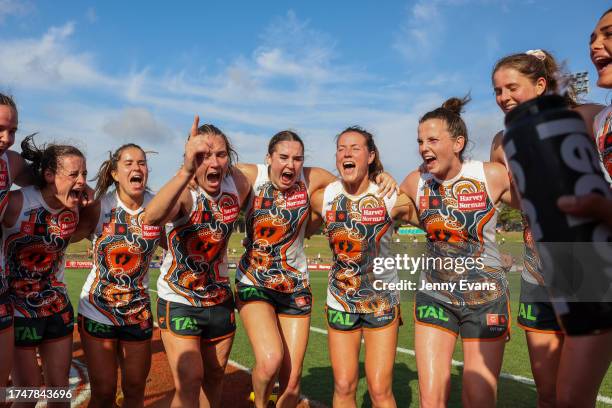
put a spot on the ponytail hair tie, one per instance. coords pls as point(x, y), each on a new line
point(539, 54)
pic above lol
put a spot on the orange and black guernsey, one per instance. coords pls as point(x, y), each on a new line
point(33, 255)
point(195, 271)
point(116, 289)
point(276, 222)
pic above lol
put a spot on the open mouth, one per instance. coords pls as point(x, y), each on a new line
point(348, 166)
point(429, 160)
point(287, 176)
point(602, 63)
point(509, 107)
point(75, 194)
point(136, 180)
point(213, 177)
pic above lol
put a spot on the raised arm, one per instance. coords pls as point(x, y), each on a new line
point(317, 178)
point(173, 196)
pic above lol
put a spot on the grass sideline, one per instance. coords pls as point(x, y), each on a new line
point(317, 379)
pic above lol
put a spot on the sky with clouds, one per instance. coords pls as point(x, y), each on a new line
point(99, 74)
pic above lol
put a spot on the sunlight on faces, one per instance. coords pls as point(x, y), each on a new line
point(214, 163)
point(132, 172)
point(286, 163)
point(8, 127)
point(601, 50)
point(437, 148)
point(353, 157)
point(68, 183)
point(513, 88)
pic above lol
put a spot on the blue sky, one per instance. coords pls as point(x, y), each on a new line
point(102, 74)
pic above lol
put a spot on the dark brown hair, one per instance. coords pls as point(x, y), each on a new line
point(450, 113)
point(7, 100)
point(45, 157)
point(376, 167)
point(208, 129)
point(105, 173)
point(284, 136)
point(534, 68)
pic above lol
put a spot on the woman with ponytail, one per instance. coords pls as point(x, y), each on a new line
point(37, 224)
point(115, 319)
point(456, 202)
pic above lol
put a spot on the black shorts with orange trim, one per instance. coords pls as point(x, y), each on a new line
point(207, 323)
point(31, 332)
point(535, 313)
point(6, 312)
point(490, 321)
point(133, 332)
point(291, 304)
point(345, 321)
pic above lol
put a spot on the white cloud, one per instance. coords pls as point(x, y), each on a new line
point(49, 63)
point(293, 79)
point(137, 124)
point(422, 30)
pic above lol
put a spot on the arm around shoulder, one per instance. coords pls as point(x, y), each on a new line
point(410, 184)
point(318, 178)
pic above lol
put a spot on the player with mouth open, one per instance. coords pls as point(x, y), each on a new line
point(37, 224)
point(359, 226)
point(272, 285)
point(115, 319)
point(456, 201)
point(195, 308)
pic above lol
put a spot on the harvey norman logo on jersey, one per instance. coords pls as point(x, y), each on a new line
point(373, 215)
point(296, 199)
point(472, 201)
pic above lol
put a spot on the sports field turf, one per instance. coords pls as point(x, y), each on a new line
point(317, 380)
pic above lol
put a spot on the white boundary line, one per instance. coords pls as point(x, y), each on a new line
point(455, 363)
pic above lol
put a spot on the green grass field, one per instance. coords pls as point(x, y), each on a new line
point(317, 380)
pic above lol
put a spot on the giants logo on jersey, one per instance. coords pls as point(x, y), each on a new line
point(336, 216)
point(430, 202)
point(472, 201)
point(31, 228)
point(263, 203)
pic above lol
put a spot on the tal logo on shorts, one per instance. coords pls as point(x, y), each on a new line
point(338, 317)
point(251, 292)
point(426, 312)
point(27, 333)
point(526, 313)
point(184, 323)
